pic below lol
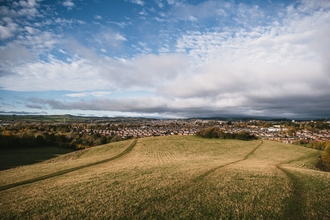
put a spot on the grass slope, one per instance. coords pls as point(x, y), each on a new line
point(172, 178)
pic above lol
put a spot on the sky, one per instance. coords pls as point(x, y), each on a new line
point(166, 58)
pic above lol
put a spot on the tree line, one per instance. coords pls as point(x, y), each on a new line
point(215, 132)
point(74, 140)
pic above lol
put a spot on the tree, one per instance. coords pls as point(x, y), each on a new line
point(326, 157)
point(324, 160)
point(291, 131)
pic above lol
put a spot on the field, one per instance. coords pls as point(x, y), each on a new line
point(178, 177)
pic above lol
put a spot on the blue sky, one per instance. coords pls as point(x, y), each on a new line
point(166, 58)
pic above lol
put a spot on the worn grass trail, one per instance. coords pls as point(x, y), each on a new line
point(203, 175)
point(176, 178)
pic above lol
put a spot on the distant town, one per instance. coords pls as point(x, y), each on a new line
point(86, 132)
point(277, 131)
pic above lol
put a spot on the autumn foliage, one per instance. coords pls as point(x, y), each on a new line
point(324, 160)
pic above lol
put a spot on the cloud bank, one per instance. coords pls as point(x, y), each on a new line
point(230, 60)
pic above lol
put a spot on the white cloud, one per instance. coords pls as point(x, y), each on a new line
point(99, 17)
point(143, 12)
point(31, 12)
point(14, 54)
point(77, 95)
point(84, 94)
point(62, 51)
point(30, 30)
point(5, 11)
point(203, 10)
point(164, 49)
point(69, 4)
point(7, 28)
point(172, 2)
point(264, 64)
point(192, 18)
point(120, 37)
point(139, 2)
point(26, 4)
point(160, 3)
point(95, 73)
point(109, 39)
point(119, 24)
point(243, 79)
point(25, 8)
point(54, 75)
point(41, 42)
point(294, 40)
point(79, 51)
point(63, 21)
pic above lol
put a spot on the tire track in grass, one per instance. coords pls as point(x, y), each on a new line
point(9, 186)
point(294, 205)
point(143, 205)
point(208, 172)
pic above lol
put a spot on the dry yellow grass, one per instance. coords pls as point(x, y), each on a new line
point(71, 160)
point(174, 178)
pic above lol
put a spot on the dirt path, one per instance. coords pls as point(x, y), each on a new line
point(9, 186)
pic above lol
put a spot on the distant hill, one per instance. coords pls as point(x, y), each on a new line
point(74, 118)
point(67, 118)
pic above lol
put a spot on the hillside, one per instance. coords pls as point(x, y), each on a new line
point(178, 177)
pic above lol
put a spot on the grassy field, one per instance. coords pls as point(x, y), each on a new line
point(179, 177)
